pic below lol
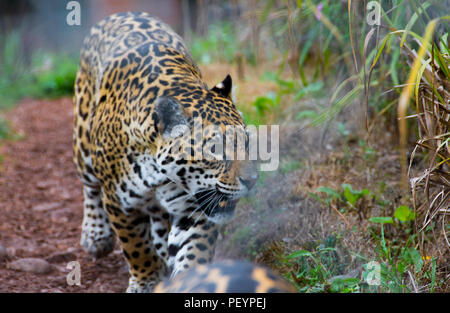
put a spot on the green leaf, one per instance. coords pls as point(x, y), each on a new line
point(330, 192)
point(382, 220)
point(364, 192)
point(266, 11)
point(380, 50)
point(342, 129)
point(306, 47)
point(349, 194)
point(306, 114)
point(308, 89)
point(264, 103)
point(299, 253)
point(404, 214)
point(314, 196)
point(401, 267)
point(433, 275)
point(287, 86)
point(344, 284)
point(412, 256)
point(441, 62)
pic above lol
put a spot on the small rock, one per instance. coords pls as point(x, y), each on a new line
point(59, 216)
point(44, 184)
point(61, 257)
point(65, 195)
point(3, 254)
point(32, 265)
point(11, 251)
point(46, 206)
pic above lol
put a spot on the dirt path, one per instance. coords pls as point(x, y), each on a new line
point(41, 206)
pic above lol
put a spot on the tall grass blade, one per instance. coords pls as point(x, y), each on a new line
point(406, 94)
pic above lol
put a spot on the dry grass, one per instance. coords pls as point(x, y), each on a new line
point(431, 186)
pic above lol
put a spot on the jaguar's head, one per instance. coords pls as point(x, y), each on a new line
point(205, 149)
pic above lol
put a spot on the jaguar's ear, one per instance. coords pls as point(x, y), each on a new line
point(224, 88)
point(170, 120)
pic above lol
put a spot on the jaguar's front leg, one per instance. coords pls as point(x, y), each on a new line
point(133, 229)
point(191, 241)
point(97, 238)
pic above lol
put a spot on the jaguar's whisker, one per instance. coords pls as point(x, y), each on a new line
point(208, 195)
point(213, 203)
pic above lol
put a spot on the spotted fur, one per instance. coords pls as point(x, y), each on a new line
point(226, 277)
point(137, 91)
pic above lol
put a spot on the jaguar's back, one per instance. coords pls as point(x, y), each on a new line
point(132, 34)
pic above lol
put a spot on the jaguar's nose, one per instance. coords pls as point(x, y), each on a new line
point(249, 182)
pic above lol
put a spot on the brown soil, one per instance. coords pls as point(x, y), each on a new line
point(41, 205)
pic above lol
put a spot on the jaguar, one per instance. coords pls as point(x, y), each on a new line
point(139, 101)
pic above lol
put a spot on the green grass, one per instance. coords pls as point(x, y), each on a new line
point(39, 75)
point(14, 73)
point(400, 265)
point(220, 44)
point(346, 197)
point(325, 266)
point(5, 130)
point(317, 266)
point(54, 75)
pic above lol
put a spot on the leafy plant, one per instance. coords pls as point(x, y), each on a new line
point(54, 75)
point(346, 285)
point(266, 103)
point(14, 73)
point(404, 214)
point(399, 264)
point(330, 193)
point(39, 75)
point(347, 195)
point(319, 269)
point(352, 195)
point(4, 129)
point(382, 220)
